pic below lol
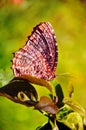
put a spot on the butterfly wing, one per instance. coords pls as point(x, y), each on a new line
point(38, 57)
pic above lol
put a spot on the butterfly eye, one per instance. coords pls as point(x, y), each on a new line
point(22, 96)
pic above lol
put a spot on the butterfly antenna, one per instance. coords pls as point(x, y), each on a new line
point(66, 75)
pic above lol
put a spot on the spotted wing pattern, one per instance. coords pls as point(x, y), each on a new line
point(38, 58)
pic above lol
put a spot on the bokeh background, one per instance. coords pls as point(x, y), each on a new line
point(17, 19)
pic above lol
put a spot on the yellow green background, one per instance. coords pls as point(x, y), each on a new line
point(17, 19)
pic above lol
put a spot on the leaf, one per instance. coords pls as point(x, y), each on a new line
point(38, 81)
point(74, 120)
point(28, 94)
point(46, 105)
point(70, 90)
point(71, 119)
point(62, 126)
point(75, 106)
point(59, 93)
point(47, 126)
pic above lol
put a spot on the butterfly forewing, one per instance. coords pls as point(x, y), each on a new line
point(38, 57)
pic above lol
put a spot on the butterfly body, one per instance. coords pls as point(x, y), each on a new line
point(38, 57)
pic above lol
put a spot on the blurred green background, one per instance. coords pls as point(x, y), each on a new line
point(17, 19)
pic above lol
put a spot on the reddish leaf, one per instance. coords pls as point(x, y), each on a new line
point(47, 105)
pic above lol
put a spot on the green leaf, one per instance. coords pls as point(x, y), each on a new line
point(70, 118)
point(75, 121)
point(59, 93)
point(75, 106)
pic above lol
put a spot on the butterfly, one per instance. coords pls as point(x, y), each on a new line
point(38, 57)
